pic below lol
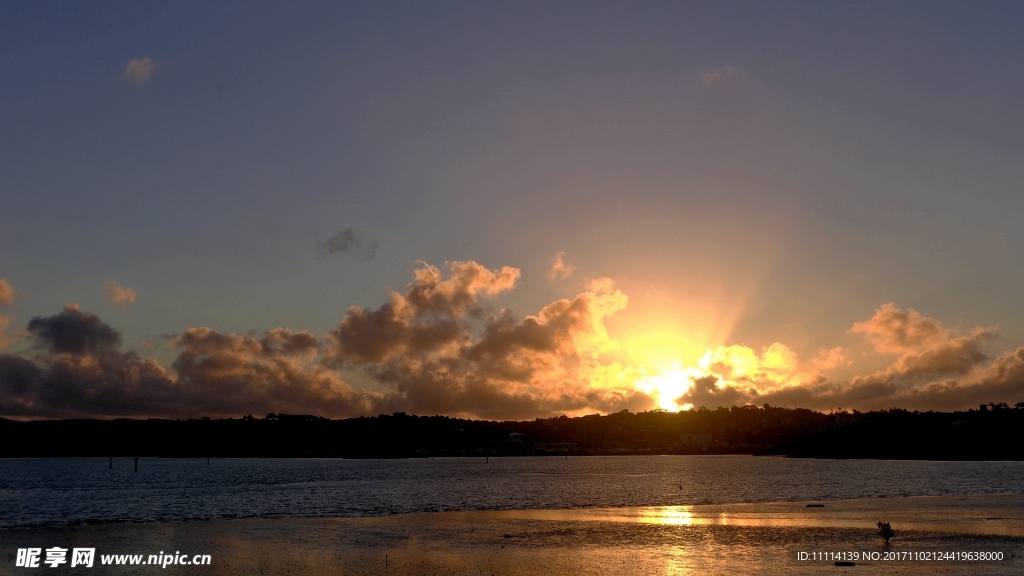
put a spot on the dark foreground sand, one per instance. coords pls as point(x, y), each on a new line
point(710, 539)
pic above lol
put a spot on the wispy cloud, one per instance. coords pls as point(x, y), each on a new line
point(118, 295)
point(139, 70)
point(6, 293)
point(722, 75)
point(559, 267)
point(347, 241)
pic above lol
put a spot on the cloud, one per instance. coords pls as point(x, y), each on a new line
point(118, 295)
point(139, 70)
point(426, 317)
point(559, 269)
point(73, 331)
point(442, 347)
point(425, 346)
point(6, 299)
point(894, 331)
point(79, 369)
point(829, 358)
point(349, 240)
point(5, 340)
point(722, 75)
point(6, 293)
point(936, 370)
point(232, 374)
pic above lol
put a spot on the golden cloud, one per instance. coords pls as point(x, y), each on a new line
point(559, 268)
point(118, 295)
point(6, 293)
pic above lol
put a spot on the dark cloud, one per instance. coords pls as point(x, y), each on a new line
point(350, 240)
point(78, 369)
point(73, 331)
point(231, 374)
point(705, 392)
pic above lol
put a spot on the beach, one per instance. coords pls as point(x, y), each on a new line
point(761, 538)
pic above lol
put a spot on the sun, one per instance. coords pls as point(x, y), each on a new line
point(667, 388)
point(669, 361)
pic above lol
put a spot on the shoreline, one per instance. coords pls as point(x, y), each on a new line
point(713, 538)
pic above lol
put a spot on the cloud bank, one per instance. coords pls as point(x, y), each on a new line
point(77, 367)
point(443, 346)
point(936, 370)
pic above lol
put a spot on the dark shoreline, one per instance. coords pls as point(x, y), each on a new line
point(973, 435)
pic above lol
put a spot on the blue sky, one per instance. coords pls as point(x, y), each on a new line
point(747, 174)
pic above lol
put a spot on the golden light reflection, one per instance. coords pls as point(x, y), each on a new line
point(670, 515)
point(678, 562)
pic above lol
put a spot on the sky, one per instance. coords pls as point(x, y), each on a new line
point(498, 210)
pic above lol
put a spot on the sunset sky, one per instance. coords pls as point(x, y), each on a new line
point(509, 210)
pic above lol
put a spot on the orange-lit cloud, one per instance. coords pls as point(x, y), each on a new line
point(139, 70)
point(936, 371)
point(559, 268)
point(441, 352)
point(893, 331)
point(118, 295)
point(443, 347)
point(6, 293)
point(829, 358)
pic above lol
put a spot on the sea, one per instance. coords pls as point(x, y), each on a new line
point(67, 491)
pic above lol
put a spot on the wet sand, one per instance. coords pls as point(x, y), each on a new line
point(760, 538)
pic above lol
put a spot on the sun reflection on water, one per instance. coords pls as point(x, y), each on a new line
point(670, 515)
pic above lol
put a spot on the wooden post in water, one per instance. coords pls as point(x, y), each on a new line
point(207, 460)
point(111, 466)
point(136, 463)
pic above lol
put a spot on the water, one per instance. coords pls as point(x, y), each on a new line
point(60, 491)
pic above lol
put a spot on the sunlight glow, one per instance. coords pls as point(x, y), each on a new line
point(667, 388)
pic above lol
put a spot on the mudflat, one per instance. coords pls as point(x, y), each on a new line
point(754, 538)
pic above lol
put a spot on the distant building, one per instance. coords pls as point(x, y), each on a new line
point(695, 439)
